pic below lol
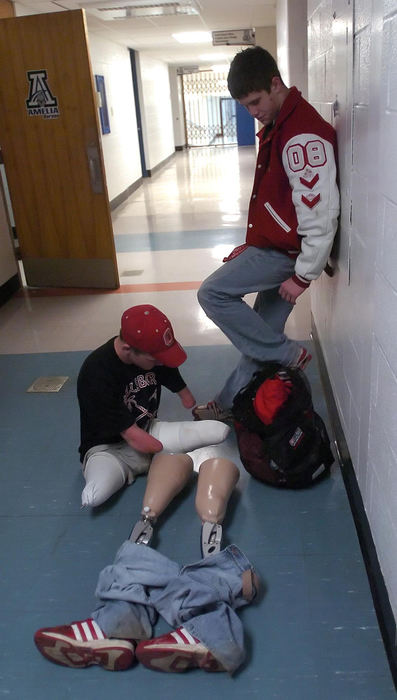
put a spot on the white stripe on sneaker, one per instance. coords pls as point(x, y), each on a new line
point(182, 636)
point(177, 637)
point(97, 630)
point(86, 631)
point(76, 631)
point(188, 636)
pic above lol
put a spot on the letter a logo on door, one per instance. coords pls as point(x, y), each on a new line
point(41, 101)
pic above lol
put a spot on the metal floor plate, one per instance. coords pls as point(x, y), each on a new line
point(47, 384)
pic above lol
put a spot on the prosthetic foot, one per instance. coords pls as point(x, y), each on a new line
point(185, 436)
point(216, 481)
point(168, 475)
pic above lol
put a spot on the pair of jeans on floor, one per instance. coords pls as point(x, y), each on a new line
point(203, 597)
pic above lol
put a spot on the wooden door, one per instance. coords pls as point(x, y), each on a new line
point(49, 135)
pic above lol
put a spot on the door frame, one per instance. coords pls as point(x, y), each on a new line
point(134, 71)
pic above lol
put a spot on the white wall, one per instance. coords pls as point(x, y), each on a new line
point(381, 482)
point(267, 38)
point(21, 10)
point(292, 43)
point(177, 107)
point(120, 147)
point(355, 311)
point(156, 112)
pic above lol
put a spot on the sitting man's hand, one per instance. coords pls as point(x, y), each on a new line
point(140, 440)
point(187, 398)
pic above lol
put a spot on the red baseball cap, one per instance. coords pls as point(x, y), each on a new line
point(147, 329)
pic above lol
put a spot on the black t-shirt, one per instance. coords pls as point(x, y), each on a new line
point(113, 395)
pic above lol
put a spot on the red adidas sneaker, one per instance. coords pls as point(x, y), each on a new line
point(302, 360)
point(176, 652)
point(83, 644)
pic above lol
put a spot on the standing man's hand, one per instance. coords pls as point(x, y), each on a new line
point(290, 290)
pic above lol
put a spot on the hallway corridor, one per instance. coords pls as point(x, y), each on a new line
point(313, 633)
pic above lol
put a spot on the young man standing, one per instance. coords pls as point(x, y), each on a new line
point(292, 221)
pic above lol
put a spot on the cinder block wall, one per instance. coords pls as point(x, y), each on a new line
point(355, 312)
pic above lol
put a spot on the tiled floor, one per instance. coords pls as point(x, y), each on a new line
point(313, 633)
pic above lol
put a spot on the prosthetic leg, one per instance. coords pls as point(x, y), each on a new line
point(168, 475)
point(216, 481)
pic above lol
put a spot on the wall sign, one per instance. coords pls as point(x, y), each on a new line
point(234, 37)
point(41, 102)
point(103, 107)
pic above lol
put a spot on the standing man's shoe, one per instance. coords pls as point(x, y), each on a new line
point(211, 411)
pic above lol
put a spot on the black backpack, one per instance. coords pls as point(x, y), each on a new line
point(293, 451)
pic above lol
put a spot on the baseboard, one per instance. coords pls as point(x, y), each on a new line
point(386, 620)
point(114, 203)
point(157, 167)
point(9, 288)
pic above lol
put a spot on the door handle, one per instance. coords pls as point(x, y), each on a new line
point(95, 168)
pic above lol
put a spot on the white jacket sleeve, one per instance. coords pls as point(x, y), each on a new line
point(309, 163)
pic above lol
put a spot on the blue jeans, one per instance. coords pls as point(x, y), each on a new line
point(142, 583)
point(257, 333)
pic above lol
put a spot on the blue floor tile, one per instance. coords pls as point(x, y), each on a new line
point(311, 634)
point(126, 243)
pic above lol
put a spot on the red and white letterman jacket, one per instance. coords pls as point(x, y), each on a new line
point(294, 205)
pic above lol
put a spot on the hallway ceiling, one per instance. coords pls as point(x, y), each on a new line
point(153, 33)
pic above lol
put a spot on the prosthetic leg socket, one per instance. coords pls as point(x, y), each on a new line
point(185, 436)
point(168, 475)
point(216, 481)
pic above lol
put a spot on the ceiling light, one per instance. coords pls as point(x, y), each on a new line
point(117, 9)
point(193, 37)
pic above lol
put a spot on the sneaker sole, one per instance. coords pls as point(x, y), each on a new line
point(68, 652)
point(205, 413)
point(177, 661)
